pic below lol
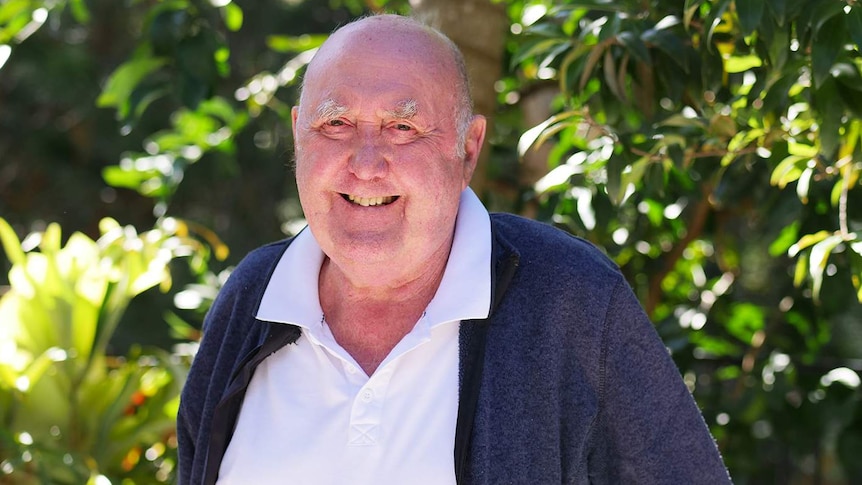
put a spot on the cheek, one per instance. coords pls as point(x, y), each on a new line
point(312, 163)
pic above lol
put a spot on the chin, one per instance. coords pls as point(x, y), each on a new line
point(364, 249)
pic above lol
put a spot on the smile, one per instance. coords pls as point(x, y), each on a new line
point(370, 201)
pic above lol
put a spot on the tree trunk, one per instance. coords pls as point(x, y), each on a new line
point(478, 27)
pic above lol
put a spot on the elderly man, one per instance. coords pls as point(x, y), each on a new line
point(406, 335)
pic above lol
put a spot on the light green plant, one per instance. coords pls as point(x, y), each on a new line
point(69, 412)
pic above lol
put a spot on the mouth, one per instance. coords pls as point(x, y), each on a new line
point(369, 201)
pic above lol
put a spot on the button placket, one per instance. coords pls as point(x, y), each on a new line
point(367, 410)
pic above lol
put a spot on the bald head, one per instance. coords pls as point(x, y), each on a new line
point(409, 44)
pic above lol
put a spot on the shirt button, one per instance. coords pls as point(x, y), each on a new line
point(351, 369)
point(367, 395)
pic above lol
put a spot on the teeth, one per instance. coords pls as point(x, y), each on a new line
point(371, 201)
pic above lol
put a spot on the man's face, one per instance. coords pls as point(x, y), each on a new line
point(377, 162)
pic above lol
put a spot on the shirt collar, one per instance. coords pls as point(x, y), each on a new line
point(464, 293)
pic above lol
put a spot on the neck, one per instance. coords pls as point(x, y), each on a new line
point(368, 320)
point(339, 291)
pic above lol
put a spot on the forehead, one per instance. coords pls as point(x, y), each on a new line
point(382, 56)
point(387, 35)
point(365, 85)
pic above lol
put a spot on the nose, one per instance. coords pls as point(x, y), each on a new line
point(369, 160)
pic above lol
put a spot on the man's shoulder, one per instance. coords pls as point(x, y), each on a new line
point(541, 243)
point(257, 266)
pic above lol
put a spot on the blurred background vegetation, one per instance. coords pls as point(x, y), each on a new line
point(712, 147)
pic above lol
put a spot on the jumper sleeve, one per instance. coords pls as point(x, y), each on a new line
point(649, 429)
point(186, 447)
point(197, 398)
point(208, 376)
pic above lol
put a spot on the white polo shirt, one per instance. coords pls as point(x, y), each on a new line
point(312, 416)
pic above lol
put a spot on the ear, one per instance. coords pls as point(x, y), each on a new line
point(473, 140)
point(294, 113)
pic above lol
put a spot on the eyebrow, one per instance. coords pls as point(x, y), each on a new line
point(330, 109)
point(404, 110)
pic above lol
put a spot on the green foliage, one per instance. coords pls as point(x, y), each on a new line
point(713, 148)
point(70, 411)
point(158, 172)
point(708, 90)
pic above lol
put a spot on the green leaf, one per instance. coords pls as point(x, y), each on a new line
point(635, 46)
point(777, 97)
point(14, 27)
point(828, 42)
point(232, 16)
point(681, 121)
point(655, 179)
point(854, 24)
point(670, 44)
point(569, 67)
point(221, 56)
point(750, 13)
point(41, 364)
point(847, 75)
point(168, 25)
point(590, 63)
point(220, 108)
point(744, 320)
point(801, 149)
point(788, 170)
point(51, 239)
point(800, 271)
point(807, 240)
point(132, 179)
point(545, 29)
point(786, 238)
point(142, 97)
point(712, 345)
point(13, 8)
point(803, 184)
point(734, 64)
point(11, 243)
point(779, 10)
point(823, 11)
point(689, 9)
point(15, 16)
point(616, 190)
point(632, 176)
point(614, 5)
point(779, 47)
point(196, 57)
point(856, 267)
point(541, 132)
point(714, 18)
point(80, 11)
point(818, 258)
point(123, 81)
point(676, 154)
point(534, 48)
point(828, 102)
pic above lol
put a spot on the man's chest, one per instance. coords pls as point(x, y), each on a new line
point(312, 414)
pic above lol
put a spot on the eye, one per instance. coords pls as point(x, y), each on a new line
point(335, 122)
point(403, 127)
